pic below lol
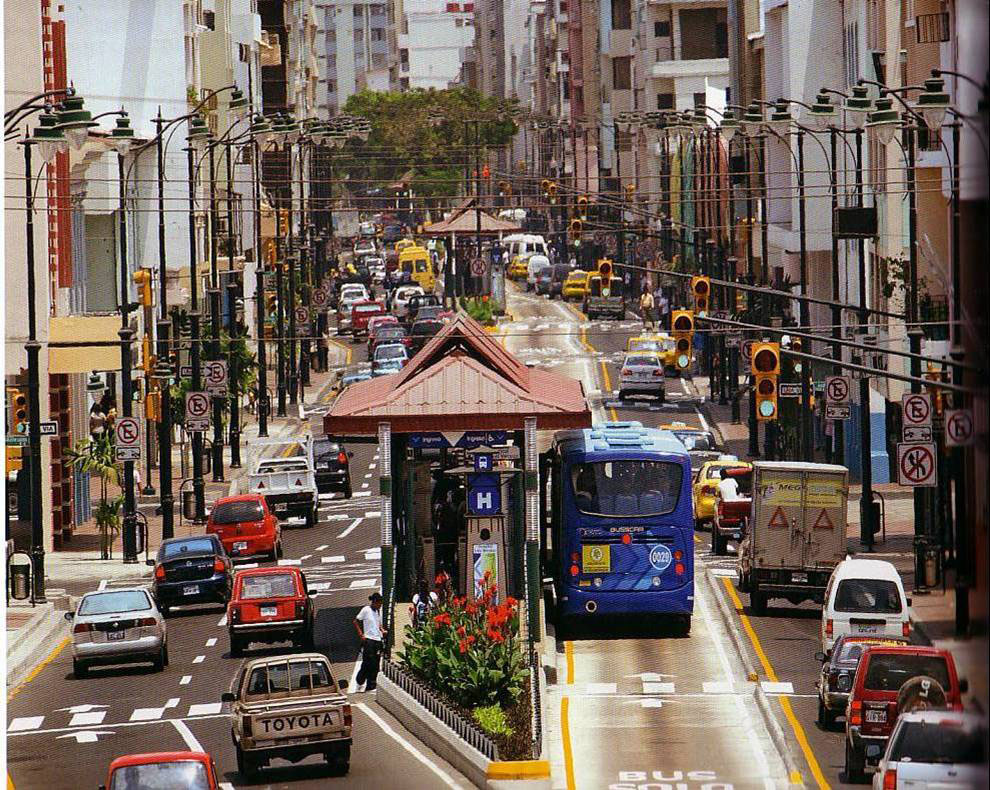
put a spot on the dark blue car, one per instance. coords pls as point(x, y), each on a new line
point(191, 570)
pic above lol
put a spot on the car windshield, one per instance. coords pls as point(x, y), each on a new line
point(426, 327)
point(234, 512)
point(890, 671)
point(852, 650)
point(389, 332)
point(696, 440)
point(187, 774)
point(875, 596)
point(323, 449)
point(390, 352)
point(196, 545)
point(642, 361)
point(626, 488)
point(300, 674)
point(367, 308)
point(949, 743)
point(113, 602)
point(269, 585)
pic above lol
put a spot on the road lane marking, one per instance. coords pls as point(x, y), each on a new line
point(53, 730)
point(367, 476)
point(305, 557)
point(205, 709)
point(322, 547)
point(599, 688)
point(147, 714)
point(211, 641)
point(363, 584)
point(365, 485)
point(172, 703)
point(650, 687)
point(372, 466)
point(23, 723)
point(778, 688)
point(187, 735)
point(372, 513)
point(102, 585)
point(287, 563)
point(222, 622)
point(716, 687)
point(388, 730)
point(34, 672)
point(93, 718)
point(569, 656)
point(565, 734)
point(651, 703)
point(199, 659)
point(351, 528)
point(785, 703)
point(362, 493)
point(185, 680)
point(334, 558)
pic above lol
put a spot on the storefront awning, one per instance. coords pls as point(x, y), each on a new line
point(101, 329)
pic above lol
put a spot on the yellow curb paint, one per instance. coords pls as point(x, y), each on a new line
point(519, 769)
point(785, 702)
point(34, 672)
point(565, 732)
point(569, 655)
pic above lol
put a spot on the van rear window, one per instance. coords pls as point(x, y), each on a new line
point(867, 596)
point(890, 671)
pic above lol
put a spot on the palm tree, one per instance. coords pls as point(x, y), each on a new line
point(95, 456)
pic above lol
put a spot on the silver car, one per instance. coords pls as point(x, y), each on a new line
point(642, 374)
point(121, 626)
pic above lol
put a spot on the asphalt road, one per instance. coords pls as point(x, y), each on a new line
point(64, 732)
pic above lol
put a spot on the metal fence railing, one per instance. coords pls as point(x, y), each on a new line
point(535, 700)
point(461, 727)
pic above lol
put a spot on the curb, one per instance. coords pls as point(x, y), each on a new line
point(773, 726)
point(478, 769)
point(46, 631)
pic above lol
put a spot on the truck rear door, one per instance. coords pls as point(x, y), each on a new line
point(825, 494)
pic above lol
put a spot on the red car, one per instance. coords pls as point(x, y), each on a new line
point(885, 677)
point(188, 770)
point(361, 313)
point(270, 605)
point(246, 527)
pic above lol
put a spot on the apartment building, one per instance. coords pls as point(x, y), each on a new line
point(354, 46)
point(432, 40)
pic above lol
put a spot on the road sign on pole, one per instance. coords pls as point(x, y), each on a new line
point(127, 439)
point(302, 315)
point(197, 411)
point(916, 409)
point(958, 427)
point(837, 390)
point(320, 297)
point(916, 464)
point(478, 267)
point(918, 433)
point(789, 390)
point(215, 371)
point(837, 411)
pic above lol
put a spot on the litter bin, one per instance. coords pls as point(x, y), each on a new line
point(19, 573)
point(189, 504)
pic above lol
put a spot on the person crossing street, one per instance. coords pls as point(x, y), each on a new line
point(646, 307)
point(368, 624)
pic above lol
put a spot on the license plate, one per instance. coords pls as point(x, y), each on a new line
point(269, 611)
point(867, 629)
point(190, 589)
point(240, 545)
point(281, 507)
point(876, 716)
point(115, 636)
point(799, 577)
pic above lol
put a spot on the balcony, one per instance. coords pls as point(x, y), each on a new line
point(703, 67)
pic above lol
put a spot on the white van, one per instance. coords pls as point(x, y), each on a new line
point(525, 244)
point(533, 267)
point(864, 598)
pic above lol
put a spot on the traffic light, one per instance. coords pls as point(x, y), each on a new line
point(701, 288)
point(605, 272)
point(741, 302)
point(765, 364)
point(143, 279)
point(153, 406)
point(582, 206)
point(575, 229)
point(682, 327)
point(552, 192)
point(545, 186)
point(14, 460)
point(934, 375)
point(796, 345)
point(283, 222)
point(18, 411)
point(630, 192)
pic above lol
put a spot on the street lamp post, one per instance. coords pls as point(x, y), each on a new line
point(260, 131)
point(234, 433)
point(214, 300)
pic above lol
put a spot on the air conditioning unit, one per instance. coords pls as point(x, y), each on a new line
point(271, 49)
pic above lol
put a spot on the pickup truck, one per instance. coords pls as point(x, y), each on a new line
point(607, 303)
point(731, 515)
point(288, 484)
point(288, 707)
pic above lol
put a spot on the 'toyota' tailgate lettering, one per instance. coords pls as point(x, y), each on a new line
point(302, 722)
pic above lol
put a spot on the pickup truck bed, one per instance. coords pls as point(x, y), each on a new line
point(289, 486)
point(731, 517)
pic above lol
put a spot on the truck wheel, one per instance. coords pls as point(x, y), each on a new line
point(347, 491)
point(311, 519)
point(758, 602)
point(246, 765)
point(854, 766)
point(718, 542)
point(683, 627)
point(339, 760)
point(236, 646)
point(662, 397)
point(79, 669)
point(743, 584)
point(826, 718)
point(278, 551)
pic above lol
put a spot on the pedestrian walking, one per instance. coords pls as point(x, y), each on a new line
point(663, 309)
point(368, 624)
point(646, 308)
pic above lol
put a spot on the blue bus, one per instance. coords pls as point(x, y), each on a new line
point(618, 533)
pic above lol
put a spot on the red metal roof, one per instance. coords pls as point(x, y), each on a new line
point(464, 220)
point(461, 380)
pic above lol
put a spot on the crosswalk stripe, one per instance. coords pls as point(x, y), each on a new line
point(600, 688)
point(147, 714)
point(359, 584)
point(23, 723)
point(716, 687)
point(650, 687)
point(185, 680)
point(88, 719)
point(777, 688)
point(205, 709)
point(335, 558)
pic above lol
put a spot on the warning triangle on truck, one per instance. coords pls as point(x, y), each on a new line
point(779, 519)
point(823, 521)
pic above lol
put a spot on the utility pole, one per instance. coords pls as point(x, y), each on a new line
point(164, 352)
point(232, 322)
point(865, 455)
point(264, 405)
point(807, 453)
point(214, 294)
point(199, 490)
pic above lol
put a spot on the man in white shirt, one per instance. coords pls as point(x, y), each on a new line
point(368, 624)
point(728, 487)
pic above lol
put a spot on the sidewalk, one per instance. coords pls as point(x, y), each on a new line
point(932, 613)
point(33, 632)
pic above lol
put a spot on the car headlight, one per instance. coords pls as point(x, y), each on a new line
point(844, 683)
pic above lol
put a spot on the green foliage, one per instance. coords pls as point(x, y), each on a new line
point(492, 720)
point(469, 651)
point(95, 456)
point(480, 309)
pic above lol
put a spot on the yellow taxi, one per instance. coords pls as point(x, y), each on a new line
point(576, 285)
point(662, 344)
point(693, 437)
point(705, 488)
point(519, 268)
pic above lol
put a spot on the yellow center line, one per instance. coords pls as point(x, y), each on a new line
point(34, 672)
point(565, 727)
point(785, 702)
point(569, 655)
point(606, 379)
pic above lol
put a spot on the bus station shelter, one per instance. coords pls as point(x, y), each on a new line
point(463, 393)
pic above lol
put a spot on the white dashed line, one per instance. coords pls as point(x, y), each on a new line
point(334, 558)
point(373, 514)
point(102, 586)
point(658, 688)
point(362, 493)
point(88, 719)
point(147, 714)
point(185, 680)
point(600, 688)
point(716, 687)
point(367, 476)
point(305, 557)
point(372, 466)
point(25, 723)
point(172, 703)
point(651, 703)
point(359, 584)
point(351, 528)
point(222, 622)
point(205, 709)
point(211, 641)
point(199, 659)
point(777, 688)
point(365, 485)
point(286, 563)
point(324, 547)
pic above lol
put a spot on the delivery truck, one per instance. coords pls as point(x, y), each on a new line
point(796, 533)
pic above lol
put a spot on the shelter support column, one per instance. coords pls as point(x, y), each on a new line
point(532, 531)
point(385, 489)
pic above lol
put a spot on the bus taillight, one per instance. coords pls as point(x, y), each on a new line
point(679, 569)
point(627, 538)
point(575, 570)
point(678, 555)
point(575, 556)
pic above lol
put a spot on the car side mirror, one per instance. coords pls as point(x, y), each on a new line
point(69, 616)
point(909, 599)
point(821, 657)
point(228, 696)
point(342, 684)
point(963, 685)
point(150, 563)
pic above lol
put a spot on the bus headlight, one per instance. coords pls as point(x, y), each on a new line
point(598, 581)
point(656, 581)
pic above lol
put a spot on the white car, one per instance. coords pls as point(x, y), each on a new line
point(119, 626)
point(400, 302)
point(642, 374)
point(934, 749)
point(864, 598)
point(376, 267)
point(350, 294)
point(534, 266)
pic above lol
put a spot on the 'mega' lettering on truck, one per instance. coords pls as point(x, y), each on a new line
point(797, 531)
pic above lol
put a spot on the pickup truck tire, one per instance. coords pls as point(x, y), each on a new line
point(339, 760)
point(854, 765)
point(826, 718)
point(246, 766)
point(347, 489)
point(278, 550)
point(311, 518)
point(718, 543)
point(237, 646)
point(758, 602)
point(662, 397)
point(79, 669)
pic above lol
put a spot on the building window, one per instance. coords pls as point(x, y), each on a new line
point(850, 52)
point(358, 12)
point(665, 101)
point(704, 34)
point(377, 34)
point(661, 29)
point(621, 15)
point(699, 99)
point(623, 140)
point(331, 86)
point(622, 73)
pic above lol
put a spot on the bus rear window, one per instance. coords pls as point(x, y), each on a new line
point(626, 488)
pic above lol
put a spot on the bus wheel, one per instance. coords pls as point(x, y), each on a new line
point(758, 602)
point(684, 626)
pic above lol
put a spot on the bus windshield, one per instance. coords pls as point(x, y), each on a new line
point(626, 488)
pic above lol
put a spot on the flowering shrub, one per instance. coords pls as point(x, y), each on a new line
point(469, 650)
